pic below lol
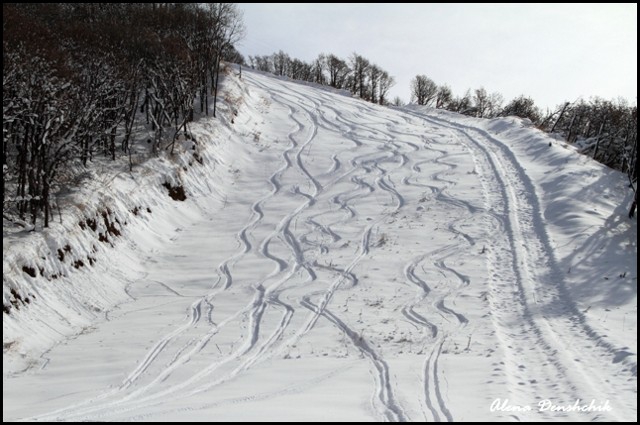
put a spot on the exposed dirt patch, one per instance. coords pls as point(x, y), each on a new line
point(29, 270)
point(110, 224)
point(92, 224)
point(16, 295)
point(176, 192)
point(62, 251)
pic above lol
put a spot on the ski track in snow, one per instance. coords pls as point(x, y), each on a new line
point(529, 249)
point(317, 231)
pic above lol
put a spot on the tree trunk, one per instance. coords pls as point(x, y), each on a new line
point(215, 90)
point(45, 200)
point(559, 117)
point(595, 152)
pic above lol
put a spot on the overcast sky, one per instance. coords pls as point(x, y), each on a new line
point(549, 52)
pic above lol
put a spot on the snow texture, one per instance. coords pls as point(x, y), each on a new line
point(334, 260)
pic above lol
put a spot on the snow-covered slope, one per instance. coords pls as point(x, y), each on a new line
point(336, 260)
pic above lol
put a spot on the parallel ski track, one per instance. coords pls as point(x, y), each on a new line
point(537, 282)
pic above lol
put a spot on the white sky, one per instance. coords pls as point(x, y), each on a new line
point(552, 53)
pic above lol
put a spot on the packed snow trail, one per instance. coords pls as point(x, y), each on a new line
point(367, 264)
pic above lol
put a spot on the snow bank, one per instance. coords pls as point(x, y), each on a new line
point(58, 281)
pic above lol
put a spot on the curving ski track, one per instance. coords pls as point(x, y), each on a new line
point(352, 246)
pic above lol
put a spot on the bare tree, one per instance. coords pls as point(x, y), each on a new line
point(86, 76)
point(374, 76)
point(423, 90)
point(360, 67)
point(444, 97)
point(523, 107)
point(462, 104)
point(494, 106)
point(338, 70)
point(397, 101)
point(359, 75)
point(228, 29)
point(480, 102)
point(281, 62)
point(385, 83)
point(317, 70)
point(298, 70)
